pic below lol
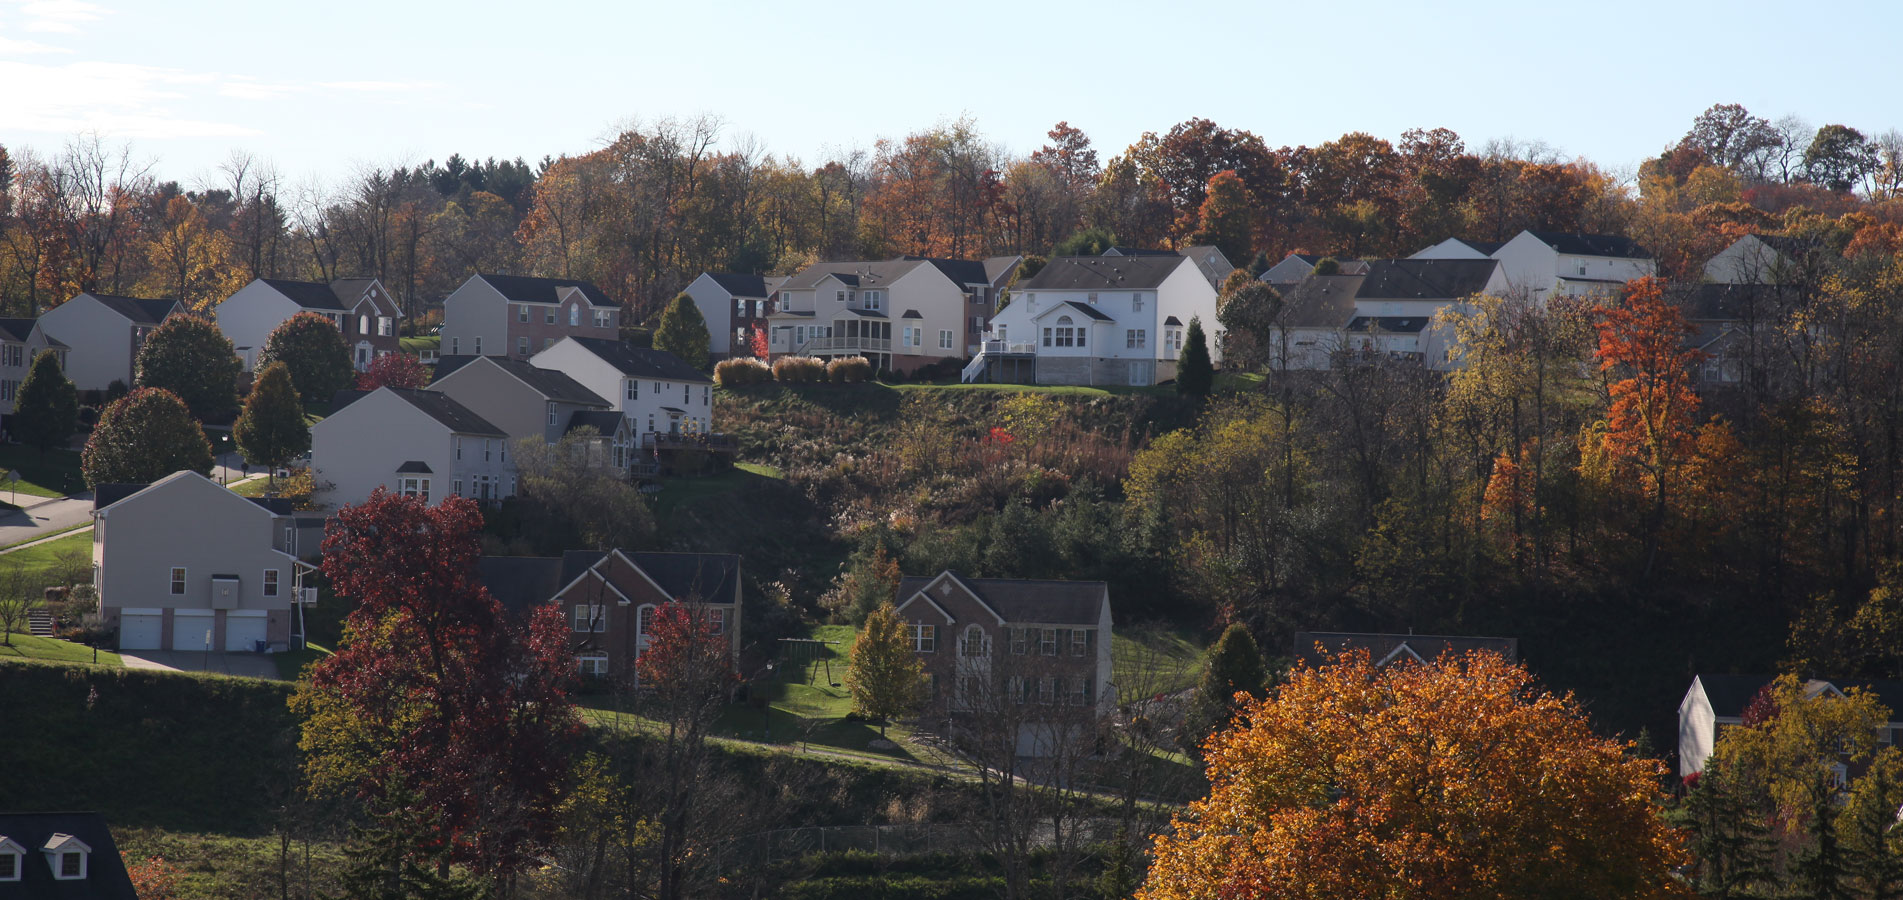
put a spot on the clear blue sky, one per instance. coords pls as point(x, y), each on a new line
point(322, 88)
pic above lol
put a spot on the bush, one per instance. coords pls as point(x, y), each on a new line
point(741, 371)
point(799, 370)
point(849, 370)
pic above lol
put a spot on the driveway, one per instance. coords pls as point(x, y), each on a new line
point(249, 665)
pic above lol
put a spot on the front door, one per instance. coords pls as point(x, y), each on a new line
point(363, 355)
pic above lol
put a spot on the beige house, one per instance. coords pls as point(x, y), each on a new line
point(185, 564)
point(900, 314)
point(103, 333)
point(414, 443)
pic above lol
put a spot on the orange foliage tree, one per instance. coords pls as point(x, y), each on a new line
point(1456, 779)
point(1650, 430)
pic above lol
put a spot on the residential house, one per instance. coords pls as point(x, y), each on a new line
point(1317, 647)
point(363, 311)
point(735, 307)
point(525, 401)
point(1297, 266)
point(518, 316)
point(900, 314)
point(1015, 641)
point(1716, 702)
point(21, 341)
point(417, 443)
point(668, 403)
point(1460, 248)
point(103, 334)
point(1740, 329)
point(1765, 259)
point(1207, 257)
point(1311, 325)
point(610, 597)
point(60, 856)
point(1103, 320)
point(185, 564)
point(1548, 264)
point(1397, 301)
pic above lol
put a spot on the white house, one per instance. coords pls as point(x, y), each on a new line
point(1459, 248)
point(1102, 320)
point(654, 390)
point(733, 305)
point(21, 341)
point(1716, 702)
point(518, 316)
point(1761, 259)
point(1547, 264)
point(361, 309)
point(1311, 325)
point(415, 443)
point(900, 314)
point(185, 564)
point(103, 333)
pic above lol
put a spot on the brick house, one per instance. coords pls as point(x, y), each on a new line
point(518, 317)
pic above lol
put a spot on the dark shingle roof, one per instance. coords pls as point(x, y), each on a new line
point(642, 362)
point(960, 272)
point(414, 467)
point(138, 309)
point(1025, 600)
point(277, 506)
point(1732, 302)
point(1087, 273)
point(307, 294)
point(520, 583)
point(105, 495)
point(740, 285)
point(552, 384)
point(1379, 646)
point(435, 404)
point(1210, 261)
point(708, 577)
point(106, 877)
point(1088, 310)
point(16, 329)
point(446, 364)
point(604, 421)
point(1320, 301)
point(523, 289)
point(1592, 244)
point(1425, 279)
point(1483, 247)
point(1136, 251)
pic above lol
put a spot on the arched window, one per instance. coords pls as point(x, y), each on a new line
point(1066, 335)
point(574, 314)
point(975, 642)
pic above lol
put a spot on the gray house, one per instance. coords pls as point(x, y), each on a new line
point(185, 564)
point(416, 443)
point(104, 333)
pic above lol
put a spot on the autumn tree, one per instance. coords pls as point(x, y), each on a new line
point(1195, 375)
point(397, 370)
point(437, 700)
point(885, 674)
point(143, 437)
point(188, 356)
point(1226, 218)
point(314, 349)
point(572, 494)
point(190, 259)
point(1479, 783)
point(683, 332)
point(46, 409)
point(271, 430)
point(687, 673)
point(1839, 157)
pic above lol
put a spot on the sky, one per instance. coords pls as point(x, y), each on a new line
point(323, 90)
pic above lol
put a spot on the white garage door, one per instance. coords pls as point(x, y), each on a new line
point(189, 627)
point(243, 630)
point(140, 631)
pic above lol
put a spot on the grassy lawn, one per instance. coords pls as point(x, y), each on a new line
point(26, 646)
point(420, 344)
point(42, 562)
point(221, 865)
point(1154, 661)
point(258, 488)
point(55, 475)
point(677, 493)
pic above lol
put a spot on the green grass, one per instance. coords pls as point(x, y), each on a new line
point(221, 865)
point(42, 561)
point(677, 493)
point(67, 530)
point(763, 471)
point(419, 344)
point(55, 475)
point(26, 646)
point(259, 488)
point(1152, 661)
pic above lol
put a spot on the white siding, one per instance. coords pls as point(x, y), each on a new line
point(716, 306)
point(249, 316)
point(101, 342)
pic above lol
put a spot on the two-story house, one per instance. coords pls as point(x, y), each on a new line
point(416, 443)
point(21, 341)
point(1297, 266)
point(662, 397)
point(103, 334)
point(1548, 264)
point(1310, 328)
point(532, 403)
point(1103, 320)
point(185, 564)
point(1397, 300)
point(518, 316)
point(735, 307)
point(60, 856)
point(361, 309)
point(610, 597)
point(900, 314)
point(990, 642)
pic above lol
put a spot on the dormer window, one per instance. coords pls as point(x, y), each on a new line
point(11, 854)
point(67, 855)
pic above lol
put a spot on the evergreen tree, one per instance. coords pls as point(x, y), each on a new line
point(1726, 830)
point(1235, 665)
point(1092, 241)
point(46, 409)
point(1194, 373)
point(683, 332)
point(271, 430)
point(188, 356)
point(142, 438)
point(316, 353)
point(885, 675)
point(390, 859)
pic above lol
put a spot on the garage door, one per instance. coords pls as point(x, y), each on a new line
point(140, 631)
point(189, 627)
point(243, 630)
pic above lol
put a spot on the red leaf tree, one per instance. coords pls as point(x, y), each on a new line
point(397, 370)
point(687, 674)
point(437, 693)
point(1650, 428)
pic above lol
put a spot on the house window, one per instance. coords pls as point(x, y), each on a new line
point(687, 393)
point(1079, 641)
point(547, 343)
point(1047, 645)
point(1136, 302)
point(1065, 333)
point(363, 324)
point(1046, 687)
point(459, 449)
point(574, 316)
point(72, 865)
point(1080, 692)
point(548, 316)
point(411, 486)
point(739, 308)
point(386, 326)
point(522, 346)
point(1014, 687)
point(592, 618)
point(9, 866)
point(944, 339)
point(644, 620)
point(485, 449)
point(839, 296)
point(270, 582)
point(455, 346)
point(1080, 335)
point(552, 408)
point(634, 389)
point(601, 319)
point(479, 345)
point(1001, 333)
point(875, 300)
point(178, 581)
point(717, 621)
point(521, 313)
point(706, 392)
point(593, 664)
point(1019, 641)
point(975, 643)
point(924, 638)
point(457, 486)
point(1047, 336)
point(1135, 338)
point(1092, 297)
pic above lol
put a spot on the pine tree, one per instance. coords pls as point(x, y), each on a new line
point(1235, 665)
point(683, 332)
point(142, 438)
point(188, 356)
point(46, 410)
point(885, 675)
point(1725, 831)
point(389, 860)
point(271, 430)
point(1194, 373)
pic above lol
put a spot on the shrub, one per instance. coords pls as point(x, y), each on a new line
point(741, 371)
point(799, 370)
point(849, 370)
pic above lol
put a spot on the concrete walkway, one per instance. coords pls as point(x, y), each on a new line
point(249, 665)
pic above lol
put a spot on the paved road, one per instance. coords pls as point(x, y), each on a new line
point(47, 516)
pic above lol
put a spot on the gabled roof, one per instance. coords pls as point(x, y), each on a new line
point(107, 495)
point(604, 421)
point(1320, 301)
point(138, 310)
point(999, 269)
point(312, 295)
point(1484, 248)
point(707, 577)
point(1426, 279)
point(1026, 601)
point(523, 289)
point(552, 384)
point(1426, 647)
point(1114, 273)
point(1573, 244)
point(1084, 309)
point(1211, 262)
point(740, 285)
point(960, 272)
point(16, 329)
point(106, 877)
point(437, 405)
point(520, 583)
point(350, 290)
point(641, 362)
point(414, 467)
